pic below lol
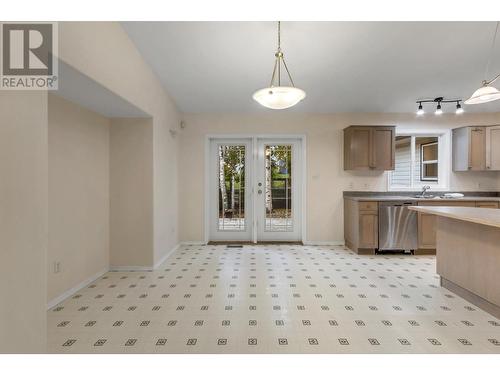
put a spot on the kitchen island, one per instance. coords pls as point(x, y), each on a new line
point(468, 253)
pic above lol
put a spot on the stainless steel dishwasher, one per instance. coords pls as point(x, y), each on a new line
point(397, 228)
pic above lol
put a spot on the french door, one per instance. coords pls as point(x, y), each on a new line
point(255, 189)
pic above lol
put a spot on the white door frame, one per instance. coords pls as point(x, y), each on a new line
point(254, 138)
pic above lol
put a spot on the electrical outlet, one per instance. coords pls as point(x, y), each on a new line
point(57, 267)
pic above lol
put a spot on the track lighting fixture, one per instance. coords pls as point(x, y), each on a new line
point(439, 109)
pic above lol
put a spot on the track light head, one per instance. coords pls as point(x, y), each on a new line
point(439, 111)
point(420, 110)
point(459, 110)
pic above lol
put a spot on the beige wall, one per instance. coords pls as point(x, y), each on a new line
point(78, 195)
point(326, 179)
point(23, 221)
point(131, 171)
point(104, 52)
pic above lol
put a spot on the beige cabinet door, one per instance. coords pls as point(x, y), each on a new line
point(426, 231)
point(477, 148)
point(360, 148)
point(383, 148)
point(369, 148)
point(493, 148)
point(427, 223)
point(368, 229)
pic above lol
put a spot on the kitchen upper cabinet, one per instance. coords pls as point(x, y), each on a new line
point(493, 148)
point(369, 148)
point(469, 148)
point(476, 148)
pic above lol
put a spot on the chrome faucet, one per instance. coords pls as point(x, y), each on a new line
point(424, 191)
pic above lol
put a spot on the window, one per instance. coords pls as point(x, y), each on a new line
point(419, 162)
point(429, 161)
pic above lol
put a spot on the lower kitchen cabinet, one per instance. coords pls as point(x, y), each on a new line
point(427, 223)
point(426, 231)
point(361, 226)
point(368, 230)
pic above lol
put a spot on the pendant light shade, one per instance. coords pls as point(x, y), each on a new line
point(484, 94)
point(277, 96)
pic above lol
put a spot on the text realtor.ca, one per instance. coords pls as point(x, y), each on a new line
point(29, 56)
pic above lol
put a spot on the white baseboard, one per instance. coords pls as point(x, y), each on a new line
point(164, 258)
point(306, 243)
point(130, 268)
point(75, 289)
point(144, 268)
point(324, 243)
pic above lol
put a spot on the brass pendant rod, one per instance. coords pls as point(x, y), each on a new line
point(279, 36)
point(289, 75)
point(486, 83)
point(274, 73)
point(277, 63)
point(279, 71)
point(492, 49)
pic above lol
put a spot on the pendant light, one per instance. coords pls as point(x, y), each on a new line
point(277, 96)
point(486, 93)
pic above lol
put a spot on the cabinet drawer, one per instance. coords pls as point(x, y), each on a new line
point(448, 203)
point(368, 206)
point(487, 204)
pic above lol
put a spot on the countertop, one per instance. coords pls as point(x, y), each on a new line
point(485, 216)
point(384, 198)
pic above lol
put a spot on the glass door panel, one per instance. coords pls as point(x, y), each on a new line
point(230, 204)
point(278, 198)
point(278, 188)
point(231, 187)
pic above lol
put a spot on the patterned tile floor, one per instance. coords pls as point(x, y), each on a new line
point(273, 299)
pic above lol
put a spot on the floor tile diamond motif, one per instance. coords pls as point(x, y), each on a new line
point(273, 299)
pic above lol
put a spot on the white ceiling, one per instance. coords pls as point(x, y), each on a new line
point(342, 66)
point(80, 89)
